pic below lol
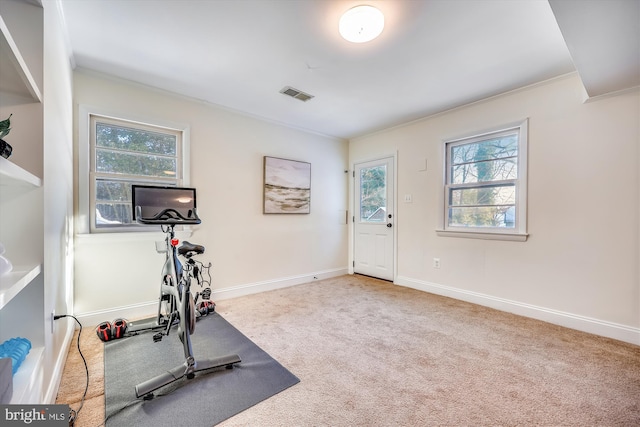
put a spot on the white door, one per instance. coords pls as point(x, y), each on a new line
point(374, 219)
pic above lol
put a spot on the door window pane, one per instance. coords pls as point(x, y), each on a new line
point(373, 194)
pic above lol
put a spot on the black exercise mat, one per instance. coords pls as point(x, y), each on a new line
point(209, 398)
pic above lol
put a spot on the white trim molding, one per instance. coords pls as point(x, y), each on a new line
point(129, 312)
point(581, 323)
point(270, 285)
point(85, 112)
point(514, 237)
point(51, 389)
point(519, 230)
point(150, 308)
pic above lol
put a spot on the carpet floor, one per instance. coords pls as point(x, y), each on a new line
point(369, 353)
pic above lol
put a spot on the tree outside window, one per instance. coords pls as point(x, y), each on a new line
point(126, 153)
point(485, 188)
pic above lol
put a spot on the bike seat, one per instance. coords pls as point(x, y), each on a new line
point(187, 247)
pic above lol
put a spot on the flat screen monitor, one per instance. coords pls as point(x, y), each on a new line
point(164, 205)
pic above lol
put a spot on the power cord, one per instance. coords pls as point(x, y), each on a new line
point(73, 414)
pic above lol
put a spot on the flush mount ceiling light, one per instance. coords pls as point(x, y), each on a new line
point(361, 24)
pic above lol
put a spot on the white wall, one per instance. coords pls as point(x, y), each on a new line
point(579, 267)
point(58, 199)
point(119, 274)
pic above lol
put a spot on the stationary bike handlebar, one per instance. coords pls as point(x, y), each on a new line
point(169, 216)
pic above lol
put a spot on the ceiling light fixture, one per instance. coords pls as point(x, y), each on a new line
point(361, 24)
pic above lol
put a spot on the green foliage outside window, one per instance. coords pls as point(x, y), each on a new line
point(126, 156)
point(482, 175)
point(373, 190)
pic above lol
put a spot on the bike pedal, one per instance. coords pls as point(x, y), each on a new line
point(157, 337)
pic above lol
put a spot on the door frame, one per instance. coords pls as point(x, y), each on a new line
point(352, 200)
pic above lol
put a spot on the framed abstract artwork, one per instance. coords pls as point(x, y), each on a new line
point(287, 186)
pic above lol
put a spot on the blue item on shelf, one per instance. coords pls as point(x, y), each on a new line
point(16, 349)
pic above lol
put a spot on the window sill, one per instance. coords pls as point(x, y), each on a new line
point(133, 235)
point(511, 237)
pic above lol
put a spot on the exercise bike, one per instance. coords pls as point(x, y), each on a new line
point(168, 207)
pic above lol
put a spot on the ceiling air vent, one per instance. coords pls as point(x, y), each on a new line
point(295, 93)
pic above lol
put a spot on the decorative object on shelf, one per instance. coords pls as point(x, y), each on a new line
point(17, 349)
point(5, 264)
point(5, 128)
point(287, 186)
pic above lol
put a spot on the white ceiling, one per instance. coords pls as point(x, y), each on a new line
point(433, 55)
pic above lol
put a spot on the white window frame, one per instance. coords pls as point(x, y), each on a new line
point(87, 176)
point(519, 231)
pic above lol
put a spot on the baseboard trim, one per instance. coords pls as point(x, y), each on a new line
point(270, 285)
point(569, 320)
point(134, 311)
point(150, 308)
point(60, 360)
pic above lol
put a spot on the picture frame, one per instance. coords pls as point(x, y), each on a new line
point(286, 186)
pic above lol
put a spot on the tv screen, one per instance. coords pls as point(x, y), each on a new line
point(163, 205)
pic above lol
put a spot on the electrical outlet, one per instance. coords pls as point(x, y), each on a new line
point(436, 263)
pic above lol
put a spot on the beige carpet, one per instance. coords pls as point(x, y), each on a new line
point(369, 353)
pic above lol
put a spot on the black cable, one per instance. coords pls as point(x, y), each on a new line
point(73, 414)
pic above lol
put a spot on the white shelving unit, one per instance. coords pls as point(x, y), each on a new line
point(21, 190)
point(12, 175)
point(16, 76)
point(27, 382)
point(15, 281)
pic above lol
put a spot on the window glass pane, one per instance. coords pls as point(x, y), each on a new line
point(135, 164)
point(485, 185)
point(373, 193)
point(493, 195)
point(490, 149)
point(123, 138)
point(489, 216)
point(113, 203)
point(125, 153)
point(485, 171)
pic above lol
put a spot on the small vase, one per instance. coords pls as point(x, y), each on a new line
point(5, 149)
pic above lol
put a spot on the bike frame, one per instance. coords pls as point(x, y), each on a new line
point(175, 289)
point(176, 284)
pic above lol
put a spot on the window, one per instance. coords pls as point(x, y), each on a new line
point(485, 184)
point(122, 153)
point(373, 193)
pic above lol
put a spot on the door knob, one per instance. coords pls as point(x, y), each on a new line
point(389, 225)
